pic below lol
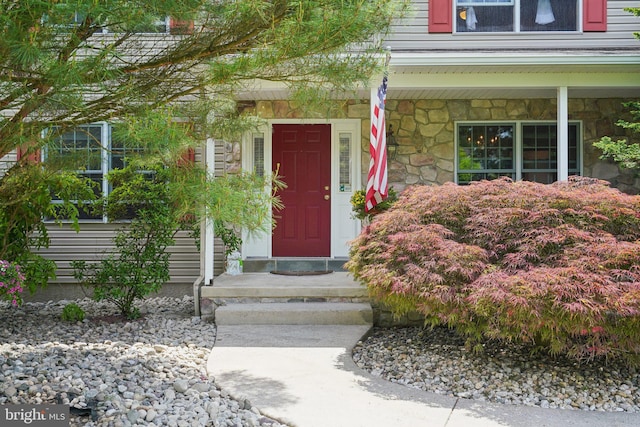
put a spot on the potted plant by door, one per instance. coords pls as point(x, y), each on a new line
point(358, 205)
point(232, 243)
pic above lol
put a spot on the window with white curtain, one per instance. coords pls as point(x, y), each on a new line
point(516, 15)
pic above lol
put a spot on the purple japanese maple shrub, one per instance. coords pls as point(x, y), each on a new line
point(556, 266)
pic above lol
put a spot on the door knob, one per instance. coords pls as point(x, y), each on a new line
point(326, 197)
point(326, 187)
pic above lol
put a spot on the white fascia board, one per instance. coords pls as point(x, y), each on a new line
point(516, 80)
point(496, 69)
point(470, 58)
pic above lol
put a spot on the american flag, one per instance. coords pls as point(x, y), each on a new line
point(377, 181)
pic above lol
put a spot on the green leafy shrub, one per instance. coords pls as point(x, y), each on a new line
point(72, 312)
point(26, 192)
point(139, 265)
point(358, 202)
point(159, 193)
point(229, 237)
point(555, 266)
point(624, 152)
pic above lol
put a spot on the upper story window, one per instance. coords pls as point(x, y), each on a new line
point(149, 25)
point(159, 25)
point(516, 15)
point(166, 25)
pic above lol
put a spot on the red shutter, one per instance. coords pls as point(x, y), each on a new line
point(187, 158)
point(30, 156)
point(440, 18)
point(180, 27)
point(594, 15)
point(187, 161)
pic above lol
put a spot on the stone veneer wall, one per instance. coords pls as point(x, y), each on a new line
point(425, 131)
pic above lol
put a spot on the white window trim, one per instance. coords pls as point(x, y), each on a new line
point(45, 152)
point(517, 142)
point(164, 22)
point(105, 143)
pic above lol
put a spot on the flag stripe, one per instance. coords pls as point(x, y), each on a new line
point(377, 188)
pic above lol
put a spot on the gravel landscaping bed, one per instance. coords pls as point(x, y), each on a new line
point(150, 371)
point(435, 360)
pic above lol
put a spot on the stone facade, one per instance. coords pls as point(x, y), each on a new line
point(425, 132)
point(232, 157)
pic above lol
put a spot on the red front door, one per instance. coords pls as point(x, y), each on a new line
point(302, 155)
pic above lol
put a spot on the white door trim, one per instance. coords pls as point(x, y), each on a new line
point(343, 227)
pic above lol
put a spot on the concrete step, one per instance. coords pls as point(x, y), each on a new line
point(265, 265)
point(303, 313)
point(259, 287)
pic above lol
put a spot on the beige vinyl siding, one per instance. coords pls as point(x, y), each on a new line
point(95, 239)
point(7, 161)
point(412, 34)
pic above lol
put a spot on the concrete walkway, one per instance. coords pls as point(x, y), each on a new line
point(304, 376)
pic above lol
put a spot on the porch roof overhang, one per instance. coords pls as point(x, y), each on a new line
point(499, 74)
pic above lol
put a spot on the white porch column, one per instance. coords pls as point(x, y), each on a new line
point(207, 234)
point(563, 133)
